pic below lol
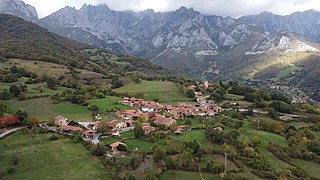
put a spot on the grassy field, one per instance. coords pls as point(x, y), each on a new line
point(6, 86)
point(274, 162)
point(234, 96)
point(197, 135)
point(241, 103)
point(187, 175)
point(299, 125)
point(217, 159)
point(72, 111)
point(128, 134)
point(248, 133)
point(46, 68)
point(311, 168)
point(46, 110)
point(110, 103)
point(40, 158)
point(131, 143)
point(164, 91)
point(286, 72)
point(34, 90)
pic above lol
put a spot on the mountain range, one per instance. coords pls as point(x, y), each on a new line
point(18, 8)
point(24, 40)
point(208, 47)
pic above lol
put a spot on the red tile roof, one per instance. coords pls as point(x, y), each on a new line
point(71, 128)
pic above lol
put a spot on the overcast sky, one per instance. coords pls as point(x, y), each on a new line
point(233, 8)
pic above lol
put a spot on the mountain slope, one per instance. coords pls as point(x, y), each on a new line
point(22, 39)
point(26, 40)
point(18, 8)
point(170, 39)
point(183, 40)
point(305, 24)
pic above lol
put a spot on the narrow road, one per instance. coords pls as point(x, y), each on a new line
point(11, 131)
point(126, 129)
point(95, 139)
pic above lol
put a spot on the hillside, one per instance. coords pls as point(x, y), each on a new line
point(25, 40)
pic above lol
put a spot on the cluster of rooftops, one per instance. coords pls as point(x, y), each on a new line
point(148, 111)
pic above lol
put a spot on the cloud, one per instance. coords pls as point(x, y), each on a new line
point(233, 8)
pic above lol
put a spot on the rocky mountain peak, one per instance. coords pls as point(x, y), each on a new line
point(18, 8)
point(305, 24)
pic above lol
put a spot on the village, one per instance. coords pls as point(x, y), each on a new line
point(201, 135)
point(151, 115)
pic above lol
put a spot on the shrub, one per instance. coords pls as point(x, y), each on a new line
point(98, 149)
point(122, 147)
point(264, 174)
point(53, 137)
point(11, 170)
point(14, 160)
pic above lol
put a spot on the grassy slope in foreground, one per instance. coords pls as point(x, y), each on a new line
point(163, 90)
point(188, 175)
point(40, 158)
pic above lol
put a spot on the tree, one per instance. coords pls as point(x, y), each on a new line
point(230, 150)
point(116, 83)
point(256, 140)
point(3, 108)
point(103, 128)
point(32, 121)
point(250, 112)
point(73, 123)
point(9, 78)
point(192, 145)
point(136, 80)
point(210, 166)
point(214, 136)
point(98, 149)
point(150, 176)
point(273, 113)
point(51, 83)
point(189, 93)
point(94, 108)
point(5, 95)
point(78, 99)
point(15, 90)
point(142, 118)
point(314, 146)
point(132, 177)
point(138, 131)
point(159, 154)
point(234, 133)
point(188, 122)
point(309, 134)
point(22, 116)
point(187, 158)
point(50, 122)
point(122, 147)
